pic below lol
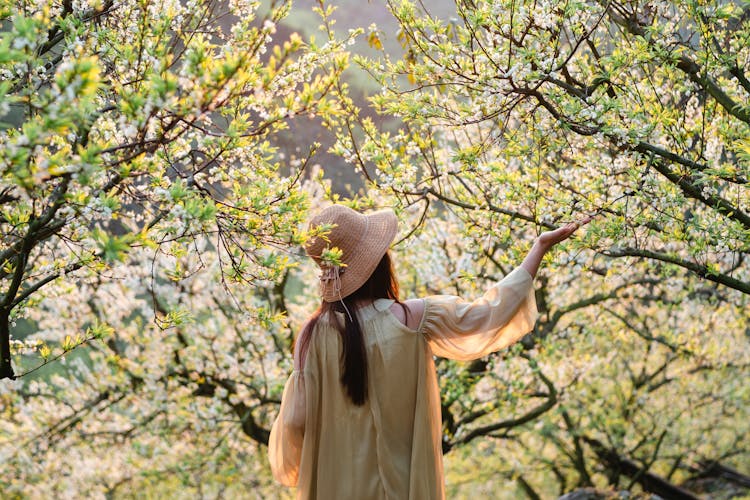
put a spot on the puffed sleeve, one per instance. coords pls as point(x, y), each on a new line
point(287, 432)
point(463, 330)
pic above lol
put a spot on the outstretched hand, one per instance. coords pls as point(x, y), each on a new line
point(547, 240)
point(551, 238)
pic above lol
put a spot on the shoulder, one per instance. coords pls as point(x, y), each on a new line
point(409, 312)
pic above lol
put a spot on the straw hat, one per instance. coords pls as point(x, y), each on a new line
point(362, 239)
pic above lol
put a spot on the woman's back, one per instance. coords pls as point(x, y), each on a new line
point(390, 447)
point(386, 447)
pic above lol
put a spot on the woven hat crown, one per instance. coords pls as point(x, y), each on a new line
point(362, 240)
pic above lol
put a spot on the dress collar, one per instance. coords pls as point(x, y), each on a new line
point(376, 306)
point(382, 304)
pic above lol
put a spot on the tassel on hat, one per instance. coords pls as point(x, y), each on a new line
point(333, 274)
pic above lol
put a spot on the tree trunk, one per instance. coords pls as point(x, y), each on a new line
point(6, 368)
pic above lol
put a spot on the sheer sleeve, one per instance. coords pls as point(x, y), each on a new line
point(463, 330)
point(287, 432)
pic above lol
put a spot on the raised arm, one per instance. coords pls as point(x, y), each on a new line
point(459, 329)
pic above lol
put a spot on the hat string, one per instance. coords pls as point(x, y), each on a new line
point(333, 273)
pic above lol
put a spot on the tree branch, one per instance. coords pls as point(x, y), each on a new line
point(648, 480)
point(687, 184)
point(683, 63)
point(515, 422)
point(699, 269)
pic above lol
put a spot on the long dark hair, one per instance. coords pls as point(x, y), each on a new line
point(382, 284)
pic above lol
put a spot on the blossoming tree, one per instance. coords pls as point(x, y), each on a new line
point(145, 211)
point(136, 124)
point(137, 162)
point(520, 115)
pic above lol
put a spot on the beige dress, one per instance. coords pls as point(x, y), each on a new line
point(391, 446)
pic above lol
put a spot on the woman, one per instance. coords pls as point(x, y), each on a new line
point(360, 414)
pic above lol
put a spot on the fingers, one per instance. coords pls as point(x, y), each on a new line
point(564, 232)
point(577, 224)
point(571, 227)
